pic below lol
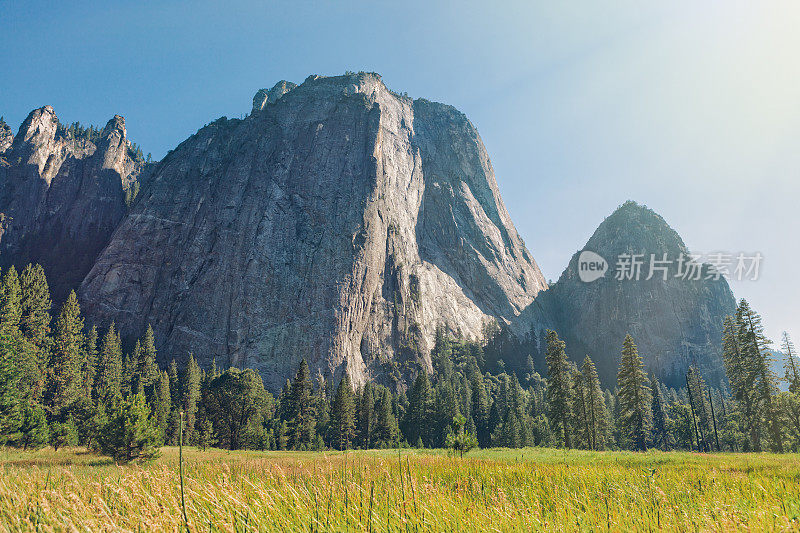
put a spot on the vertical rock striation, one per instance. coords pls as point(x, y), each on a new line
point(61, 195)
point(339, 222)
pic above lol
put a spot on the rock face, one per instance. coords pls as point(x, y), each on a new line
point(340, 222)
point(6, 137)
point(264, 96)
point(675, 323)
point(62, 195)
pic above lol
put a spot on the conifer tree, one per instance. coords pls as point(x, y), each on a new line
point(634, 396)
point(342, 422)
point(35, 307)
point(756, 349)
point(190, 395)
point(446, 408)
point(698, 402)
point(130, 434)
point(366, 416)
point(174, 383)
point(597, 416)
point(130, 382)
point(559, 388)
point(661, 434)
point(301, 416)
point(791, 366)
point(64, 433)
point(34, 432)
point(580, 411)
point(386, 430)
point(741, 376)
point(64, 383)
point(458, 439)
point(89, 363)
point(10, 347)
point(480, 409)
point(108, 375)
point(205, 434)
point(416, 424)
point(507, 433)
point(162, 403)
point(146, 373)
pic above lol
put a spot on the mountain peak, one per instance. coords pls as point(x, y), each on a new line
point(342, 225)
point(635, 228)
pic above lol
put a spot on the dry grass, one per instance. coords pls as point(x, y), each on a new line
point(494, 490)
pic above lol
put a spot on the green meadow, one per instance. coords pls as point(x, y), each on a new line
point(410, 490)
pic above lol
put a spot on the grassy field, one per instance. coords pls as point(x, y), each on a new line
point(496, 490)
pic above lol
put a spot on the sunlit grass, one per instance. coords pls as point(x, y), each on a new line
point(496, 490)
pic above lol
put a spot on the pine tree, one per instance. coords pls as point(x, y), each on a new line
point(386, 430)
point(130, 381)
point(190, 395)
point(661, 434)
point(559, 388)
point(35, 307)
point(634, 396)
point(63, 434)
point(130, 434)
point(10, 348)
point(34, 432)
point(342, 422)
point(740, 376)
point(89, 363)
point(205, 434)
point(108, 375)
point(755, 348)
point(597, 415)
point(698, 402)
point(147, 372)
point(445, 409)
point(174, 383)
point(64, 383)
point(480, 410)
point(792, 372)
point(301, 416)
point(366, 416)
point(507, 433)
point(459, 440)
point(418, 417)
point(321, 407)
point(162, 403)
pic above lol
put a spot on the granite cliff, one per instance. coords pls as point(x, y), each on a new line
point(339, 222)
point(62, 194)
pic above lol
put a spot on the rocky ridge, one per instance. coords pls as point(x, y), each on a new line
point(62, 195)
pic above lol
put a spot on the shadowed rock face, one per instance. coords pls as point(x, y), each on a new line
point(340, 223)
point(675, 322)
point(60, 197)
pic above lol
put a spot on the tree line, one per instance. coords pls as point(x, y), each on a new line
point(63, 384)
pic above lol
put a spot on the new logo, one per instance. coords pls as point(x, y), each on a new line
point(591, 266)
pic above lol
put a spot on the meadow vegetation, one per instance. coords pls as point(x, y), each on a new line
point(411, 490)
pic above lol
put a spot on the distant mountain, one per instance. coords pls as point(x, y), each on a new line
point(675, 323)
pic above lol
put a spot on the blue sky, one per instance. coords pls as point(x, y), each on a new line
point(692, 108)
